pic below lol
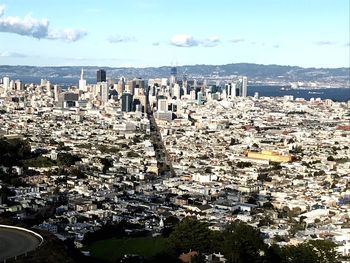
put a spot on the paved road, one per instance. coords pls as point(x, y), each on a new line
point(16, 242)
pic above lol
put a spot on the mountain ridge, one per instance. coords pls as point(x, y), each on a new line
point(254, 72)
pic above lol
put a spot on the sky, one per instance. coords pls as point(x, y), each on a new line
point(142, 33)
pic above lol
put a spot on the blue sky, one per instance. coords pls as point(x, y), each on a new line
point(308, 33)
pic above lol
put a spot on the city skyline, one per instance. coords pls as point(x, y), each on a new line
point(154, 33)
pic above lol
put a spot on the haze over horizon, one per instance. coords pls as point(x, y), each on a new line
point(153, 33)
point(161, 66)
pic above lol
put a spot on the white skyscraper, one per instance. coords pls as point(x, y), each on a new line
point(162, 105)
point(56, 91)
point(233, 90)
point(244, 86)
point(192, 94)
point(104, 92)
point(48, 88)
point(12, 85)
point(177, 91)
point(82, 81)
point(6, 83)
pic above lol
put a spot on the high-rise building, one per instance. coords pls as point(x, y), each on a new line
point(121, 86)
point(104, 92)
point(162, 104)
point(19, 85)
point(101, 76)
point(68, 99)
point(82, 81)
point(6, 83)
point(127, 102)
point(200, 98)
point(56, 92)
point(231, 90)
point(193, 94)
point(244, 86)
point(177, 91)
point(173, 74)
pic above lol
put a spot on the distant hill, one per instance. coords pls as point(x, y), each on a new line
point(256, 73)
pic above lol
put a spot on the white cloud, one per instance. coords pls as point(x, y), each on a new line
point(211, 41)
point(324, 43)
point(12, 54)
point(67, 34)
point(121, 39)
point(37, 28)
point(2, 10)
point(237, 40)
point(27, 26)
point(183, 40)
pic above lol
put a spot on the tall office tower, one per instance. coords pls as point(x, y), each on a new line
point(6, 83)
point(101, 76)
point(121, 86)
point(244, 86)
point(56, 92)
point(19, 85)
point(151, 90)
point(177, 91)
point(173, 74)
point(136, 86)
point(82, 81)
point(231, 90)
point(127, 100)
point(193, 95)
point(143, 102)
point(200, 98)
point(162, 104)
point(48, 88)
point(12, 85)
point(104, 92)
point(130, 86)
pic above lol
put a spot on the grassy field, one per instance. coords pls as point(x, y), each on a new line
point(112, 249)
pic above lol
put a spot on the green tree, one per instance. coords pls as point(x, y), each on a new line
point(13, 151)
point(67, 159)
point(243, 243)
point(330, 158)
point(313, 251)
point(190, 234)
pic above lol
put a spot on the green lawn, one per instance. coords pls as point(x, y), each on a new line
point(112, 249)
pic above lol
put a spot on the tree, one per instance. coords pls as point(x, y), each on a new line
point(190, 234)
point(244, 164)
point(268, 205)
point(313, 251)
point(107, 163)
point(242, 243)
point(67, 159)
point(330, 158)
point(13, 151)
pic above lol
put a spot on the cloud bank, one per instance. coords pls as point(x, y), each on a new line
point(8, 54)
point(237, 40)
point(184, 40)
point(324, 43)
point(121, 39)
point(37, 28)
